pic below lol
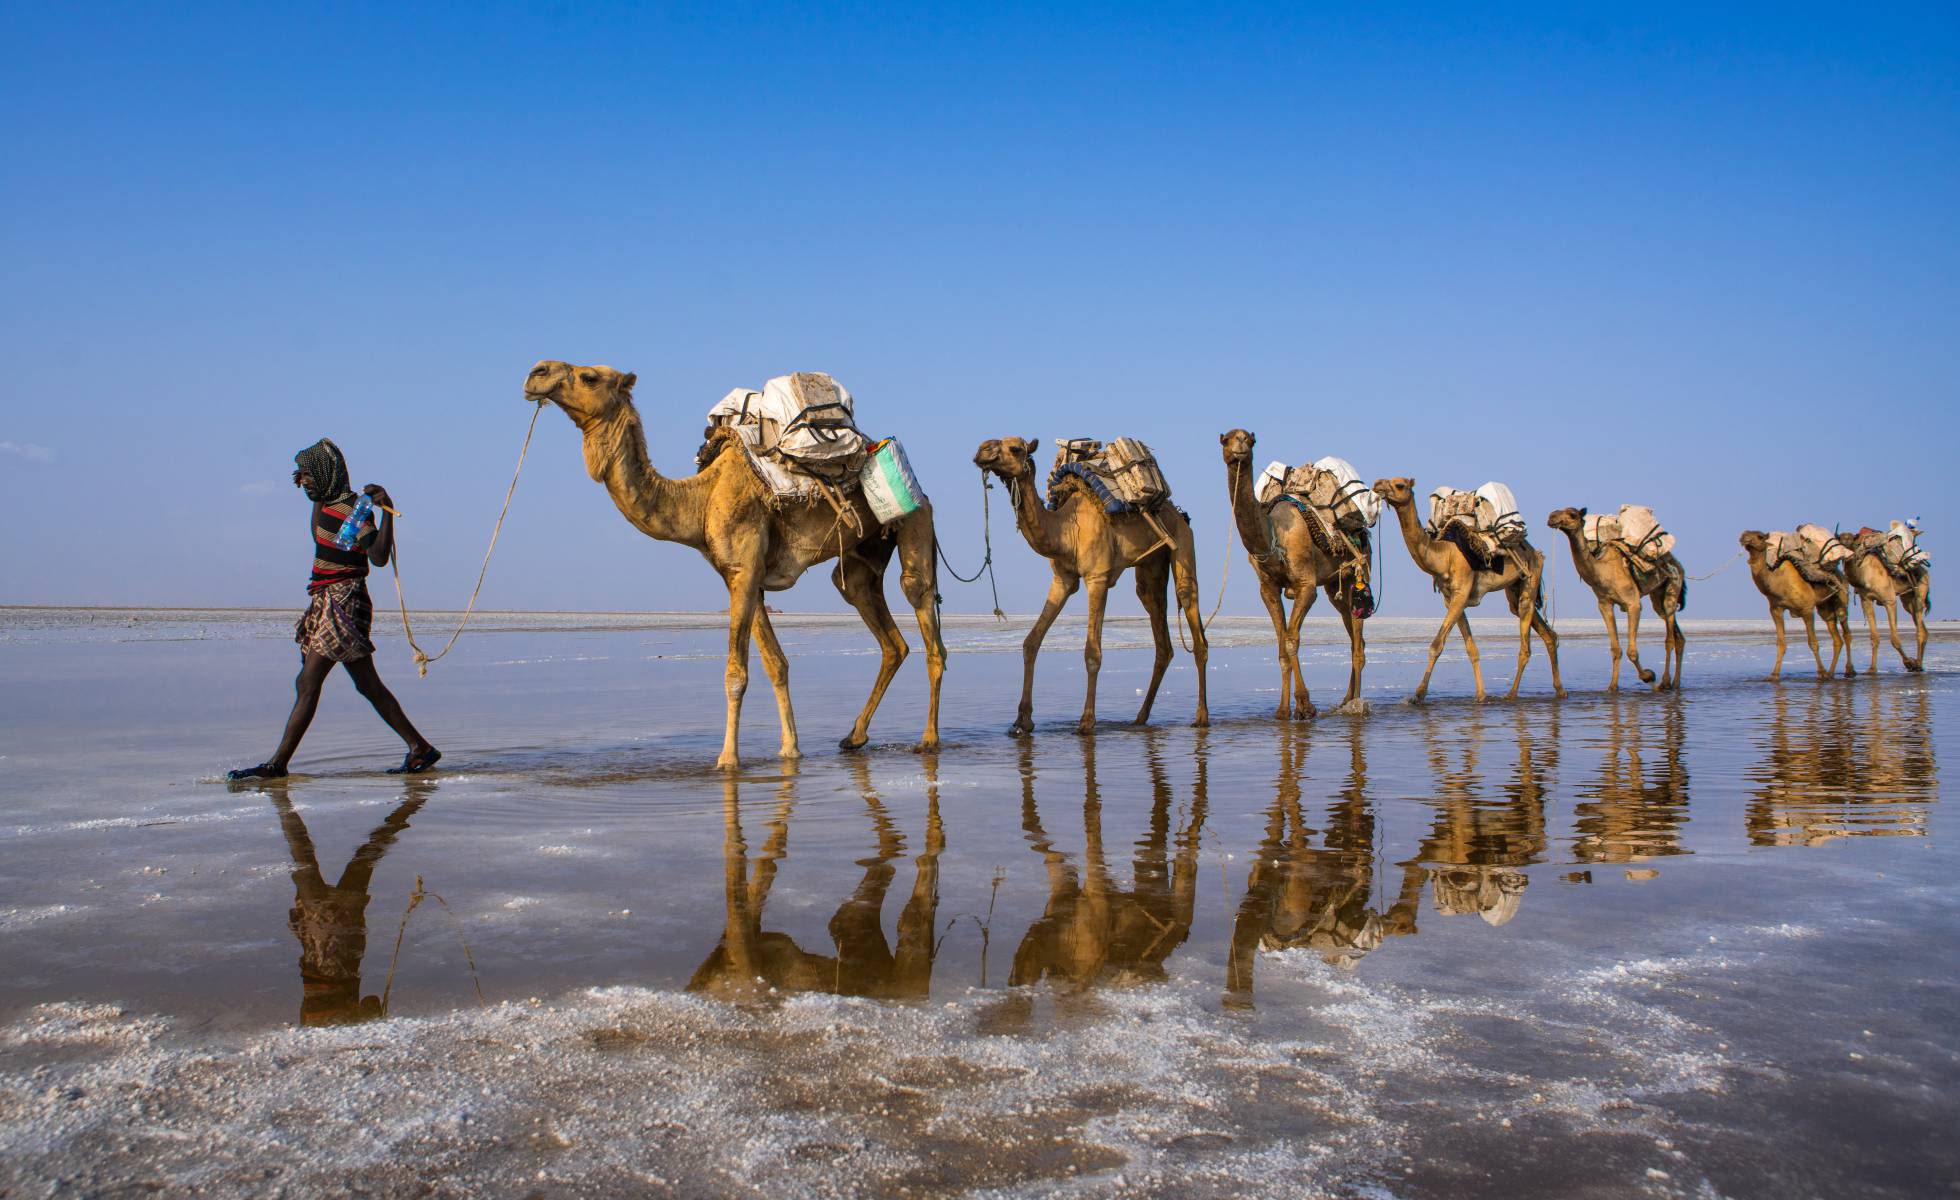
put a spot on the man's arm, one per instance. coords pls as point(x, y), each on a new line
point(383, 545)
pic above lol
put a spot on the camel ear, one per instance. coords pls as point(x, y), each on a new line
point(1034, 444)
point(1582, 512)
point(627, 381)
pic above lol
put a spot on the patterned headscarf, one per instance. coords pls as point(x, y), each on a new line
point(326, 466)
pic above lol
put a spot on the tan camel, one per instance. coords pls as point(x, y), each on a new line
point(1522, 580)
point(725, 512)
point(1614, 583)
point(1086, 545)
point(1876, 586)
point(1787, 590)
point(1288, 559)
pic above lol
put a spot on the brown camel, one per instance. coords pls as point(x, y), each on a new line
point(1876, 586)
point(1521, 579)
point(1085, 544)
point(725, 512)
point(1288, 559)
point(1788, 590)
point(1612, 579)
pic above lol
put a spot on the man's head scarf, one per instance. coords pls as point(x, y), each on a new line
point(326, 470)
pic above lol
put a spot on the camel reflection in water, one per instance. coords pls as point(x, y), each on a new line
point(1092, 931)
point(1477, 845)
point(1843, 761)
point(750, 960)
point(330, 920)
point(1636, 807)
point(1319, 898)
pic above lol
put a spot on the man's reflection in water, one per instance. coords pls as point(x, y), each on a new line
point(1636, 808)
point(1320, 898)
point(330, 920)
point(1477, 844)
point(750, 960)
point(1845, 760)
point(1092, 931)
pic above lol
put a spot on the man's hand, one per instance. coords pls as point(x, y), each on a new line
point(379, 495)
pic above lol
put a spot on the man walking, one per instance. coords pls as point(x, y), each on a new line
point(337, 621)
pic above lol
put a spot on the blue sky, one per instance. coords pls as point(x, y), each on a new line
point(1706, 260)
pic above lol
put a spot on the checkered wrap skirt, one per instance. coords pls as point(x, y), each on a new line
point(336, 624)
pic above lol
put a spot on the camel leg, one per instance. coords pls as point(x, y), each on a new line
point(1672, 640)
point(1776, 617)
point(1810, 632)
point(1871, 627)
point(1275, 601)
point(1098, 589)
point(860, 582)
point(1916, 605)
point(1436, 645)
point(1470, 648)
point(776, 664)
point(1549, 637)
point(1059, 590)
point(1153, 589)
point(1613, 633)
point(1892, 627)
point(1357, 646)
point(744, 599)
point(1633, 642)
point(919, 579)
point(1302, 701)
point(1184, 570)
point(1519, 599)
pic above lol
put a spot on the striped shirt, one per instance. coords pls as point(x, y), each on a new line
point(331, 564)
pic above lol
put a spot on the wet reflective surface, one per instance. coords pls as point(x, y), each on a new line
point(1627, 944)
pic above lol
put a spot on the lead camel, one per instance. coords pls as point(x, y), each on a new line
point(723, 511)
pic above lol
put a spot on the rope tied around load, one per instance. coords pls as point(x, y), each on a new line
point(422, 657)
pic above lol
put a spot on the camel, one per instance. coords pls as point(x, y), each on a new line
point(1085, 544)
point(726, 513)
point(1876, 586)
point(1614, 583)
point(1522, 580)
point(1788, 590)
point(1288, 559)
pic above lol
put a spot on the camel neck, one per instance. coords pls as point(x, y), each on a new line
point(1421, 546)
point(1582, 559)
point(1255, 528)
point(616, 455)
point(1036, 522)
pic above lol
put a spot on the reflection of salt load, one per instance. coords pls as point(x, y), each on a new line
point(1493, 893)
point(1483, 523)
point(801, 437)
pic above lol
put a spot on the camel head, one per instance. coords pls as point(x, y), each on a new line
point(1755, 541)
point(1400, 491)
point(1010, 458)
point(585, 393)
point(1238, 446)
point(1565, 520)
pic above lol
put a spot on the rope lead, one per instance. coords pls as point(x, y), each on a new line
point(422, 657)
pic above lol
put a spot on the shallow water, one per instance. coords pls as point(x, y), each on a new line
point(1639, 944)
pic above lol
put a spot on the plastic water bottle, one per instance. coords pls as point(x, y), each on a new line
point(350, 529)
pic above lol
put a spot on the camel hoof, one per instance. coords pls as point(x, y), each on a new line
point(1202, 721)
point(1086, 727)
point(1913, 666)
point(789, 754)
point(1646, 677)
point(852, 742)
point(1285, 713)
point(928, 746)
point(1612, 688)
point(1559, 692)
point(1307, 712)
point(728, 763)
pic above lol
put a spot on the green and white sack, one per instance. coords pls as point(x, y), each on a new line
point(889, 485)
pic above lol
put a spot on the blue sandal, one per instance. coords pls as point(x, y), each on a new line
point(415, 764)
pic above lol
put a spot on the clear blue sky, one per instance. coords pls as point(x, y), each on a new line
point(1703, 259)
